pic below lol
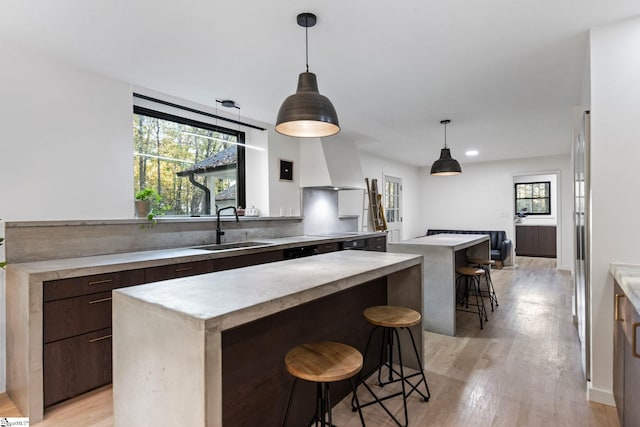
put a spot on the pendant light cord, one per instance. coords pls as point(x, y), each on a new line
point(306, 38)
point(445, 135)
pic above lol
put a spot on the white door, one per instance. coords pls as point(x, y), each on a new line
point(393, 207)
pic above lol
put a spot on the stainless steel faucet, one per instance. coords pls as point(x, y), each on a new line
point(219, 232)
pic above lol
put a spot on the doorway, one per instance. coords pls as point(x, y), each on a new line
point(393, 207)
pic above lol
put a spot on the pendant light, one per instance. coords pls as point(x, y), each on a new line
point(445, 165)
point(306, 113)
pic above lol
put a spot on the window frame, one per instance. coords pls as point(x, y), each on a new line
point(548, 198)
point(241, 189)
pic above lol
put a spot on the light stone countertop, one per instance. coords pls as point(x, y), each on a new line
point(628, 277)
point(40, 271)
point(454, 241)
point(233, 297)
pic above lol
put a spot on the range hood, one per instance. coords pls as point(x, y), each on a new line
point(330, 164)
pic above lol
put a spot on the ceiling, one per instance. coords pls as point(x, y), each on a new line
point(506, 72)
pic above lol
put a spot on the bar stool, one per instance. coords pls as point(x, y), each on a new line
point(323, 363)
point(389, 319)
point(470, 277)
point(486, 264)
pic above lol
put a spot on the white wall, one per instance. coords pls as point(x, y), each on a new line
point(481, 198)
point(378, 167)
point(615, 181)
point(66, 141)
point(283, 195)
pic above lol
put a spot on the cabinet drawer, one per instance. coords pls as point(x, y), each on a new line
point(75, 316)
point(328, 247)
point(165, 272)
point(75, 286)
point(239, 261)
point(378, 244)
point(76, 365)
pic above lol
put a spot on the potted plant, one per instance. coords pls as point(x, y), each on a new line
point(146, 200)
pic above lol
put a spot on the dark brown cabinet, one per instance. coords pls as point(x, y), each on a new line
point(324, 248)
point(377, 244)
point(536, 240)
point(626, 359)
point(77, 332)
point(239, 261)
point(173, 271)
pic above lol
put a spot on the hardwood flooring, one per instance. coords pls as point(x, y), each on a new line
point(522, 369)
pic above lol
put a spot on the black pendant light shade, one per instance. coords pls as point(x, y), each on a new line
point(445, 165)
point(307, 114)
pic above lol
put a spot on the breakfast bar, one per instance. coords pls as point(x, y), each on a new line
point(208, 350)
point(442, 254)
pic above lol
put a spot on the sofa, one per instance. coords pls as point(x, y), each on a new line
point(500, 245)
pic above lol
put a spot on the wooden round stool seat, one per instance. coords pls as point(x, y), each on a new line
point(390, 316)
point(323, 362)
point(470, 271)
point(481, 261)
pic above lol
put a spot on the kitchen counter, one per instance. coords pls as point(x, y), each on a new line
point(628, 277)
point(443, 253)
point(25, 301)
point(187, 351)
point(73, 267)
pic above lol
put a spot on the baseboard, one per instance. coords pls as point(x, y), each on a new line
point(600, 396)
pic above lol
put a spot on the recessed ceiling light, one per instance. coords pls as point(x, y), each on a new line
point(472, 153)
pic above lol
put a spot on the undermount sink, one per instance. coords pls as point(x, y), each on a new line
point(233, 245)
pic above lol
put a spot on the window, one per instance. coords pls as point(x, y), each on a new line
point(533, 198)
point(195, 167)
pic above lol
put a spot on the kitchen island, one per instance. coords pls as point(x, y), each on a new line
point(442, 254)
point(208, 350)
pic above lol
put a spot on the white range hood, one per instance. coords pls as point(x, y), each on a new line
point(330, 163)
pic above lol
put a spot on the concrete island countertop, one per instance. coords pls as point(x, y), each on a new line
point(453, 241)
point(628, 277)
point(233, 297)
point(40, 271)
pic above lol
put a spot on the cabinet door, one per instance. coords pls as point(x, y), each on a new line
point(619, 349)
point(76, 365)
point(377, 244)
point(239, 261)
point(324, 248)
point(547, 241)
point(526, 240)
point(632, 369)
point(75, 286)
point(75, 316)
point(165, 272)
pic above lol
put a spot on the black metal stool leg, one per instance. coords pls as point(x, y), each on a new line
point(286, 414)
point(389, 335)
point(421, 372)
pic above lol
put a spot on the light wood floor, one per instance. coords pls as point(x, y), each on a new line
point(523, 369)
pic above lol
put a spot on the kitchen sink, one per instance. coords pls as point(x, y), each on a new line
point(232, 245)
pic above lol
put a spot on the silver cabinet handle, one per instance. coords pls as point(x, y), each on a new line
point(106, 337)
point(100, 282)
point(96, 301)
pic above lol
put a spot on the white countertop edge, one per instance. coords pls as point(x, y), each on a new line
point(628, 277)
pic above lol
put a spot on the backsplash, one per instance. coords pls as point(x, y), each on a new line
point(44, 240)
point(320, 210)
